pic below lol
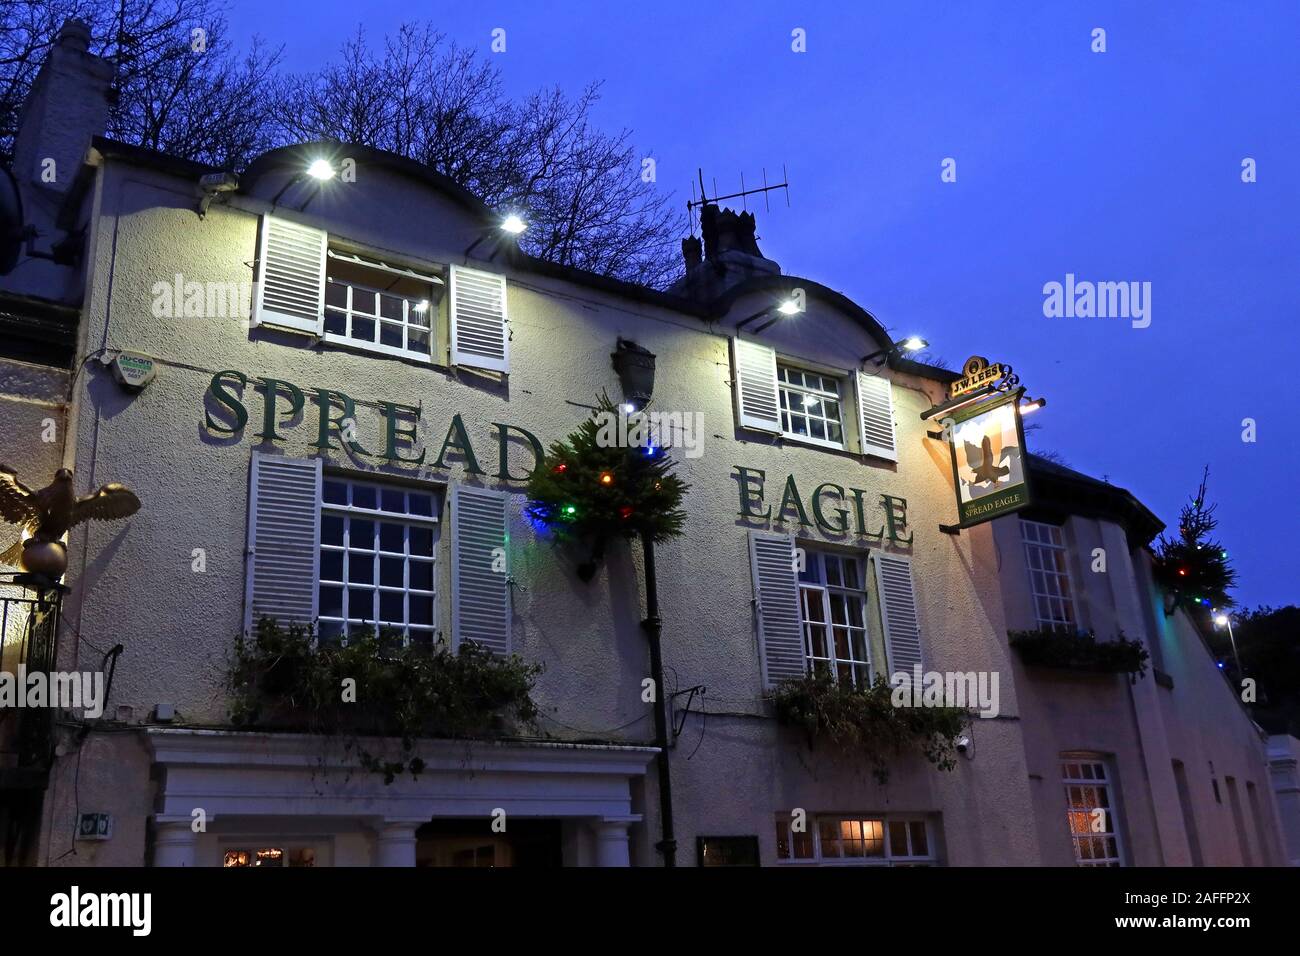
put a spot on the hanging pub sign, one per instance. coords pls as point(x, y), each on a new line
point(979, 373)
point(987, 440)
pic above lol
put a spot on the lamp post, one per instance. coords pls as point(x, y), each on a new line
point(1225, 620)
point(653, 627)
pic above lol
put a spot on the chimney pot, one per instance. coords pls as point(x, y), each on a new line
point(74, 35)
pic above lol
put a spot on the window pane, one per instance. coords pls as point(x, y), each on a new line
point(390, 307)
point(361, 569)
point(361, 534)
point(331, 529)
point(390, 572)
point(331, 566)
point(361, 604)
point(422, 541)
point(391, 537)
point(365, 496)
point(390, 335)
point(363, 329)
point(392, 606)
point(334, 492)
point(421, 504)
point(394, 500)
point(422, 575)
point(920, 842)
point(331, 601)
point(421, 609)
point(363, 300)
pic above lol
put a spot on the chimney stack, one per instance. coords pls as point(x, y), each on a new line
point(68, 104)
point(731, 254)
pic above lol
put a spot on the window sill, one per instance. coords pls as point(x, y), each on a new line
point(375, 348)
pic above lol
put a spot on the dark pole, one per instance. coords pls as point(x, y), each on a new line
point(668, 844)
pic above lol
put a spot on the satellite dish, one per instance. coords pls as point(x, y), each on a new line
point(12, 232)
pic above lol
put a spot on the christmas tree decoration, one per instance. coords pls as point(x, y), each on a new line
point(1192, 568)
point(592, 493)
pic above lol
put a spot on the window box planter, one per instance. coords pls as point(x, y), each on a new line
point(1080, 652)
point(866, 724)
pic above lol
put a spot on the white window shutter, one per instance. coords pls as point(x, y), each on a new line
point(753, 368)
point(290, 290)
point(876, 417)
point(902, 624)
point(480, 593)
point(480, 335)
point(776, 596)
point(283, 562)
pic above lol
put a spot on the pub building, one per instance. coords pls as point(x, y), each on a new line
point(327, 380)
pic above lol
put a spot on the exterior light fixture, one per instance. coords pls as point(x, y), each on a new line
point(786, 307)
point(1032, 405)
point(635, 367)
point(512, 225)
point(912, 343)
point(321, 169)
point(1221, 620)
point(421, 307)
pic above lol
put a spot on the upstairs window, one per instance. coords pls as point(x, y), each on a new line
point(782, 398)
point(810, 406)
point(308, 282)
point(378, 547)
point(380, 307)
point(833, 603)
point(1049, 575)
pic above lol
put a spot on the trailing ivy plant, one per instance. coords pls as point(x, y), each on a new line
point(373, 686)
point(866, 723)
point(1080, 651)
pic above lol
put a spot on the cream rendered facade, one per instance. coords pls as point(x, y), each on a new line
point(734, 771)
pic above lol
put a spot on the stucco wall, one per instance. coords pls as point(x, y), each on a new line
point(133, 581)
point(1142, 727)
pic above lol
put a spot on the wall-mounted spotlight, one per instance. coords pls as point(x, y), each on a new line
point(511, 225)
point(319, 169)
point(913, 343)
point(784, 309)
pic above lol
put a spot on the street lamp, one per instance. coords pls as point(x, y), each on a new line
point(1225, 620)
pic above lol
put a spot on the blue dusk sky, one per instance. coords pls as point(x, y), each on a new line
point(1117, 166)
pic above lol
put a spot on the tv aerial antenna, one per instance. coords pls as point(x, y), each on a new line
point(693, 204)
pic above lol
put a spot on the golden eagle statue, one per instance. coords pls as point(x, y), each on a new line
point(48, 513)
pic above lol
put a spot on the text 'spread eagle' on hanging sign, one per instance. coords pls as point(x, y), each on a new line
point(987, 441)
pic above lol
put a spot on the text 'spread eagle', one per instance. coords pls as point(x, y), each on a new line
point(48, 513)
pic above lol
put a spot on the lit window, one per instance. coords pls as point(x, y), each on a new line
point(277, 856)
point(379, 307)
point(810, 406)
point(1090, 811)
point(378, 559)
point(1049, 575)
point(833, 602)
point(866, 841)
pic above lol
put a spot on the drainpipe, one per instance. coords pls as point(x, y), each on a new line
point(667, 845)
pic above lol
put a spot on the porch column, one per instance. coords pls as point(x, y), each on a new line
point(611, 842)
point(395, 844)
point(175, 844)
